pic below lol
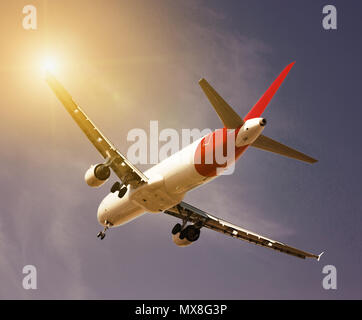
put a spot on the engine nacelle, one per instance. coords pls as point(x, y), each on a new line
point(180, 242)
point(97, 174)
point(185, 237)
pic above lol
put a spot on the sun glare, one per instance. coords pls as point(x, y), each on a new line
point(49, 65)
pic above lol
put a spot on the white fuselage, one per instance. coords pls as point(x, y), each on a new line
point(169, 180)
point(173, 177)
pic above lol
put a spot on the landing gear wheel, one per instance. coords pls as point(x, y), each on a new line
point(116, 186)
point(182, 234)
point(122, 192)
point(101, 235)
point(176, 229)
point(191, 233)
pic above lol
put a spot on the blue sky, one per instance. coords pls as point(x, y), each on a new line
point(128, 63)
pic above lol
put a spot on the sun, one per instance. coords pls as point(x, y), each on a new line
point(49, 65)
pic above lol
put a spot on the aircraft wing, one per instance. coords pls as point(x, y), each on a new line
point(124, 170)
point(196, 216)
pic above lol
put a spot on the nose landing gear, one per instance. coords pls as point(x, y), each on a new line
point(102, 234)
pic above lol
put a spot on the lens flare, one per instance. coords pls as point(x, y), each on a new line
point(49, 65)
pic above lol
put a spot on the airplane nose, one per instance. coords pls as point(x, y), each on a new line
point(101, 213)
point(262, 122)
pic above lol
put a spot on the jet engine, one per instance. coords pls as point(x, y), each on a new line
point(97, 174)
point(184, 237)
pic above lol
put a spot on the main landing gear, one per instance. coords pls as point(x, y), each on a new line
point(191, 232)
point(121, 188)
point(102, 234)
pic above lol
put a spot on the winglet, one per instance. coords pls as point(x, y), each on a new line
point(319, 256)
point(262, 103)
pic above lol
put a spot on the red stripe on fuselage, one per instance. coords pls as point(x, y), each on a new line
point(205, 160)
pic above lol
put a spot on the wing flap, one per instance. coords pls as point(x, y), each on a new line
point(267, 144)
point(194, 215)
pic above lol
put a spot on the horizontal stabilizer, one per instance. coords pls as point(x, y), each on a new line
point(228, 116)
point(268, 144)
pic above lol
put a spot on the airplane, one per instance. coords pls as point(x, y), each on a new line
point(161, 188)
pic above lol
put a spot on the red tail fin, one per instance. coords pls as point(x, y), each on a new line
point(260, 106)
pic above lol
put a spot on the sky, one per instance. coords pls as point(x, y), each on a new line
point(129, 62)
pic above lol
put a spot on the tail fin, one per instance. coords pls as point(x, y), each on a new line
point(260, 106)
point(228, 116)
point(231, 120)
